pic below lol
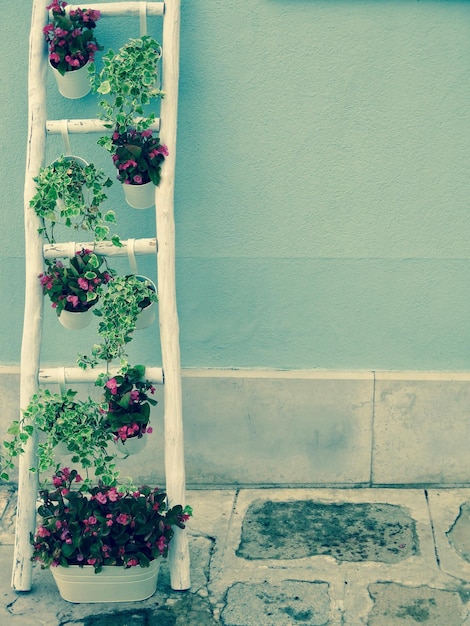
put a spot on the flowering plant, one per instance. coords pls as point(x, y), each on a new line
point(128, 411)
point(76, 287)
point(70, 38)
point(137, 155)
point(103, 525)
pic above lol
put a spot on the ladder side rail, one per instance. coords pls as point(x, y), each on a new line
point(33, 307)
point(168, 316)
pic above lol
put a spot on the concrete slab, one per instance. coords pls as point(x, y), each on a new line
point(420, 431)
point(444, 506)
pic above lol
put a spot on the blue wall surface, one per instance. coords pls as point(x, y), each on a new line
point(322, 189)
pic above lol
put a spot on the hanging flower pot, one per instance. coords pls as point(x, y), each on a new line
point(75, 84)
point(75, 320)
point(113, 584)
point(74, 288)
point(72, 45)
point(132, 445)
point(147, 314)
point(140, 196)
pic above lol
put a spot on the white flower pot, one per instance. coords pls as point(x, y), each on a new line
point(75, 320)
point(147, 315)
point(112, 584)
point(133, 445)
point(75, 84)
point(140, 196)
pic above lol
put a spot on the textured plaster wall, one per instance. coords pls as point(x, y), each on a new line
point(322, 184)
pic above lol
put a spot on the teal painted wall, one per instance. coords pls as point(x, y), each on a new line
point(322, 191)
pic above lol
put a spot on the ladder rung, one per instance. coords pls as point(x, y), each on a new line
point(119, 9)
point(107, 248)
point(54, 127)
point(51, 375)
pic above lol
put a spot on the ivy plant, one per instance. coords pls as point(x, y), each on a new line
point(70, 193)
point(62, 419)
point(121, 303)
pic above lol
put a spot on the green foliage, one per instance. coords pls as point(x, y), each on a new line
point(128, 82)
point(70, 193)
point(120, 306)
point(62, 419)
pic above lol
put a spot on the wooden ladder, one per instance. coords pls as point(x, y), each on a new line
point(36, 252)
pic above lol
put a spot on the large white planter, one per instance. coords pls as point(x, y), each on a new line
point(75, 320)
point(112, 584)
point(75, 84)
point(147, 315)
point(140, 196)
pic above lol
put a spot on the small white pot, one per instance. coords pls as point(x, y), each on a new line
point(133, 445)
point(75, 320)
point(140, 196)
point(112, 584)
point(75, 84)
point(147, 315)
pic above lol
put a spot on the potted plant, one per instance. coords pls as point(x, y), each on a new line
point(69, 191)
point(128, 405)
point(128, 81)
point(72, 45)
point(104, 543)
point(65, 422)
point(74, 288)
point(138, 157)
point(126, 300)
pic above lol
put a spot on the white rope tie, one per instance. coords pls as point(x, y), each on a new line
point(131, 255)
point(64, 131)
point(143, 17)
point(61, 379)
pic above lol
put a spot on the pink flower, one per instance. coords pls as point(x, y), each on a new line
point(101, 497)
point(91, 561)
point(161, 544)
point(149, 430)
point(123, 518)
point(134, 395)
point(83, 284)
point(138, 179)
point(132, 562)
point(54, 57)
point(146, 133)
point(43, 532)
point(112, 386)
point(74, 300)
point(113, 495)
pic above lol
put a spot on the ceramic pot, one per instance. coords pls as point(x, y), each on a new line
point(75, 84)
point(133, 445)
point(147, 315)
point(113, 584)
point(75, 320)
point(140, 196)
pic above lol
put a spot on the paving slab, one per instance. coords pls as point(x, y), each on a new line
point(445, 510)
point(429, 582)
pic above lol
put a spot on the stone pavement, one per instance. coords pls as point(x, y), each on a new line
point(281, 557)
